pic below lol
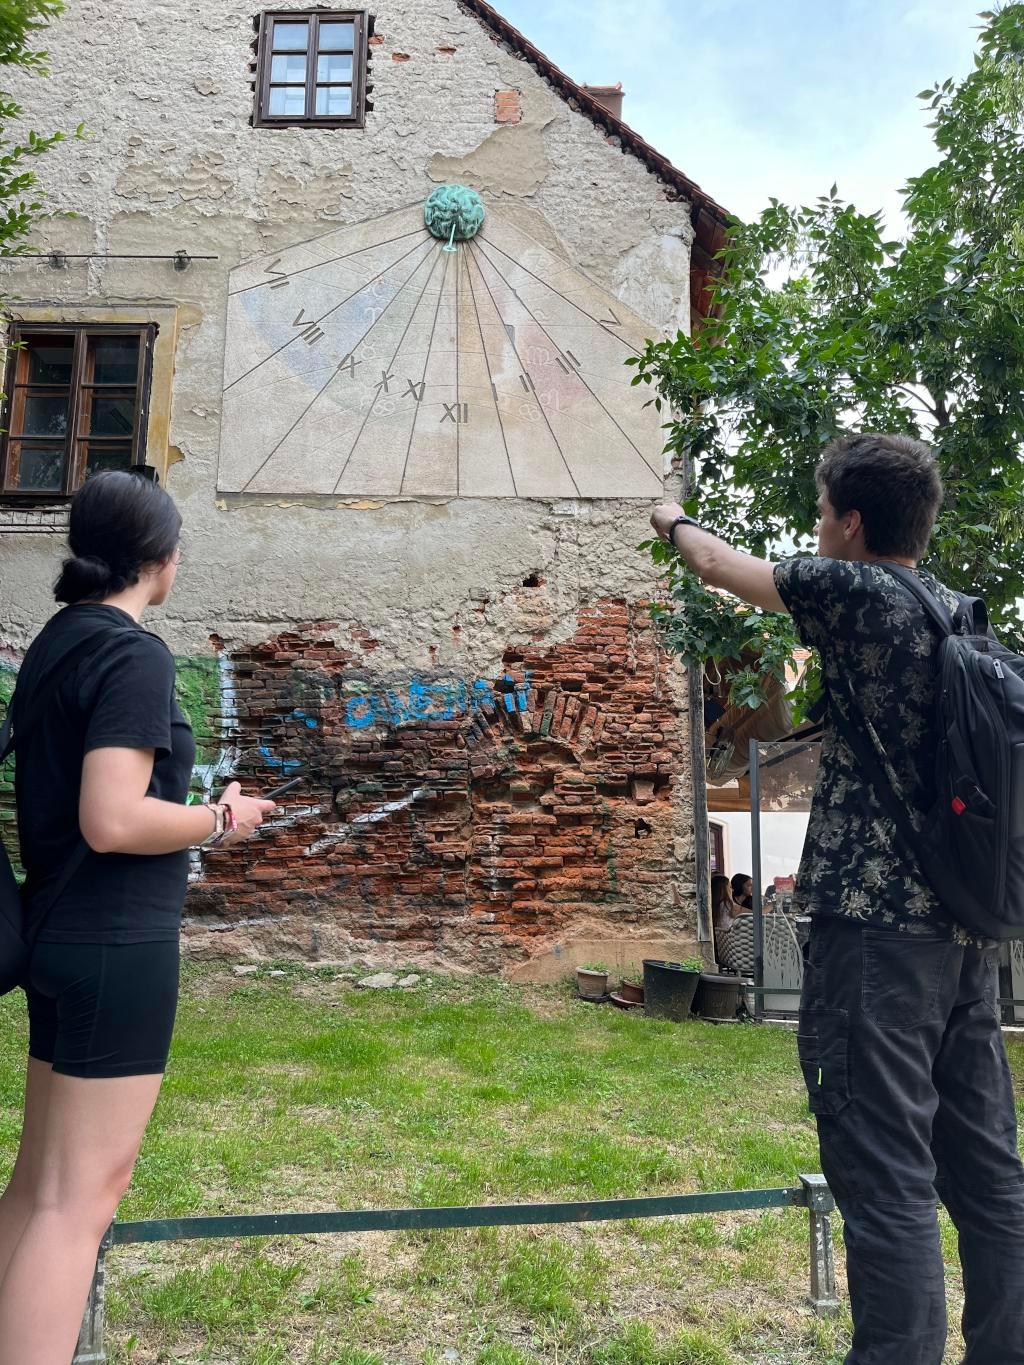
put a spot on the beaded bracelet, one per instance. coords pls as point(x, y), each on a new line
point(219, 826)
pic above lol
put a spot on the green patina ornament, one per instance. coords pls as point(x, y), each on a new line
point(454, 213)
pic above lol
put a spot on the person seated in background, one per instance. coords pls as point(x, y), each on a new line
point(785, 888)
point(724, 910)
point(743, 890)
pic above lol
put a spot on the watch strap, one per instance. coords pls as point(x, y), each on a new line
point(681, 521)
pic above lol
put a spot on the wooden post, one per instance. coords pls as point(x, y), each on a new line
point(699, 784)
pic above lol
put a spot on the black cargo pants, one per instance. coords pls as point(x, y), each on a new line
point(907, 1075)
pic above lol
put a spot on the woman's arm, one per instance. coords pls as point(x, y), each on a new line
point(116, 816)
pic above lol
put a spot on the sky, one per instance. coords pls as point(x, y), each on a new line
point(760, 98)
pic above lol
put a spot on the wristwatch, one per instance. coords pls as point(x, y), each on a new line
point(680, 521)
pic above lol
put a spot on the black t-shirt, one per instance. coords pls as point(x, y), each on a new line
point(874, 636)
point(123, 698)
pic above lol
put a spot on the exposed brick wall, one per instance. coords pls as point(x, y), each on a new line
point(467, 820)
point(508, 106)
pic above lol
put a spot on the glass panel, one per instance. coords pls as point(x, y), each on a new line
point(337, 37)
point(41, 469)
point(115, 360)
point(334, 68)
point(334, 101)
point(288, 101)
point(45, 417)
point(112, 416)
point(107, 457)
point(291, 37)
point(50, 361)
point(289, 70)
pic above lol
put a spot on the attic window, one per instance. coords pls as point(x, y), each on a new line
point(311, 71)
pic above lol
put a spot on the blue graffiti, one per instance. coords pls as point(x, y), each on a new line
point(285, 764)
point(439, 700)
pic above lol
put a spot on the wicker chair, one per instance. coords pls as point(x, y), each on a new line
point(783, 959)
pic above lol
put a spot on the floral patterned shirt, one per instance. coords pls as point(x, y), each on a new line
point(873, 634)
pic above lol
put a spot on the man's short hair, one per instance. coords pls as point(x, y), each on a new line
point(893, 482)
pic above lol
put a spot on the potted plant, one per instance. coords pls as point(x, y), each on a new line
point(718, 996)
point(632, 988)
point(669, 987)
point(592, 981)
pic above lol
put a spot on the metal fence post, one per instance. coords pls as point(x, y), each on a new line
point(820, 1205)
point(89, 1350)
point(757, 908)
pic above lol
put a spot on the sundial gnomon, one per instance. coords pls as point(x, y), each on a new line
point(379, 361)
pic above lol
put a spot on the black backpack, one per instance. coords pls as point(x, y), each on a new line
point(970, 848)
point(15, 941)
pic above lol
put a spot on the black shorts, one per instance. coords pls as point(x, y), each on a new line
point(103, 1009)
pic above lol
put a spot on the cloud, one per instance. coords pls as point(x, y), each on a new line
point(754, 99)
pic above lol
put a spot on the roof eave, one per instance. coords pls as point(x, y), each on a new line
point(710, 220)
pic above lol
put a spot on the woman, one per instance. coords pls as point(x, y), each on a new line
point(724, 910)
point(743, 890)
point(101, 782)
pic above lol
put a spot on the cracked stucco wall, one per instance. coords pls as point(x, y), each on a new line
point(172, 163)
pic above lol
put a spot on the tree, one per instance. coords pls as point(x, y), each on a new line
point(922, 335)
point(22, 204)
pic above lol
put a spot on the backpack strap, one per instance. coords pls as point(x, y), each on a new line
point(971, 617)
point(42, 701)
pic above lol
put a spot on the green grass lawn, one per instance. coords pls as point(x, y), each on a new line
point(302, 1093)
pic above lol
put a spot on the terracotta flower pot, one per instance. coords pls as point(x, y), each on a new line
point(632, 991)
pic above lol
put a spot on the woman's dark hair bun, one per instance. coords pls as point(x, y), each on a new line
point(120, 523)
point(85, 578)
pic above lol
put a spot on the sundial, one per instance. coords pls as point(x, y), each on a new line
point(437, 354)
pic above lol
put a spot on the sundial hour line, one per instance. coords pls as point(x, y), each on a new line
point(331, 378)
point(433, 331)
point(461, 407)
point(632, 444)
point(490, 376)
point(605, 324)
point(319, 321)
point(401, 341)
point(540, 406)
point(284, 277)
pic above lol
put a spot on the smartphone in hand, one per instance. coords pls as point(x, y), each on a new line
point(285, 787)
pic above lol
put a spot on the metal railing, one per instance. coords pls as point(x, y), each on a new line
point(811, 1194)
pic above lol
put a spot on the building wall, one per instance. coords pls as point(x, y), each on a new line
point(496, 745)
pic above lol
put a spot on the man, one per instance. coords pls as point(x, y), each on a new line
point(899, 1038)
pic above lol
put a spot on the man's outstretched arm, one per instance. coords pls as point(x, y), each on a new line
point(718, 564)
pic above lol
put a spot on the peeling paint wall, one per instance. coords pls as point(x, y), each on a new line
point(451, 595)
